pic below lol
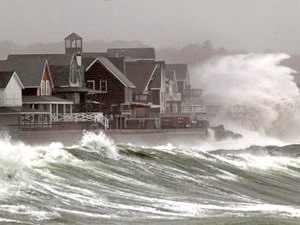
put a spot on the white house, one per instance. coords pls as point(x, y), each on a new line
point(10, 89)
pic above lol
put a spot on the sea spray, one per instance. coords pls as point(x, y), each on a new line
point(99, 142)
point(255, 91)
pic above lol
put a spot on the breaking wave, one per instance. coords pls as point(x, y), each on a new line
point(99, 181)
point(256, 92)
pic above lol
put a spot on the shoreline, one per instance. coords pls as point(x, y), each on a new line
point(133, 136)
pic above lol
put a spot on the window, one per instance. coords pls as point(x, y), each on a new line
point(90, 84)
point(73, 44)
point(68, 43)
point(43, 87)
point(103, 86)
point(47, 87)
point(143, 98)
point(78, 43)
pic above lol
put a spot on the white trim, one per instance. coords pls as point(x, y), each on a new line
point(48, 87)
point(100, 81)
point(146, 87)
point(43, 87)
point(47, 103)
point(18, 79)
point(93, 82)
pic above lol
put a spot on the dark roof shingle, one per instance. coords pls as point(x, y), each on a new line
point(114, 70)
point(5, 77)
point(30, 72)
point(53, 59)
point(140, 73)
point(181, 70)
point(60, 75)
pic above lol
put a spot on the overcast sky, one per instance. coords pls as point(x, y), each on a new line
point(253, 25)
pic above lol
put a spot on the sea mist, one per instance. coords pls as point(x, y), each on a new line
point(256, 93)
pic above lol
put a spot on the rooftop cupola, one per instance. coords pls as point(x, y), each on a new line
point(73, 44)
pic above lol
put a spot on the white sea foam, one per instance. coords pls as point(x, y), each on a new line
point(255, 91)
point(100, 142)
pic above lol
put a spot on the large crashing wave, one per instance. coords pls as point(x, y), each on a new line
point(256, 91)
point(86, 184)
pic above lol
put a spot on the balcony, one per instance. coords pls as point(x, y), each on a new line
point(81, 117)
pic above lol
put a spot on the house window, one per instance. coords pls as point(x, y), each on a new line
point(143, 98)
point(43, 87)
point(90, 84)
point(103, 86)
point(47, 87)
point(68, 43)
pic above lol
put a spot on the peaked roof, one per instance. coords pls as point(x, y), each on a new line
point(53, 59)
point(5, 77)
point(114, 70)
point(181, 70)
point(73, 36)
point(156, 80)
point(89, 57)
point(135, 53)
point(140, 73)
point(30, 72)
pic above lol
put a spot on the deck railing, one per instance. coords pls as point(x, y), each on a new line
point(81, 117)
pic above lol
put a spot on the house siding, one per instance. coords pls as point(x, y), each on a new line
point(13, 93)
point(115, 94)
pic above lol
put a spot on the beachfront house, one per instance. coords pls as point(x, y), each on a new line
point(67, 71)
point(10, 89)
point(36, 77)
point(10, 98)
point(112, 88)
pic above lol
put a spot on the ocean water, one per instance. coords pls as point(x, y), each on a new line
point(98, 181)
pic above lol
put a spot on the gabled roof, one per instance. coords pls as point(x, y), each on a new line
point(156, 80)
point(73, 36)
point(53, 59)
point(30, 72)
point(140, 73)
point(5, 77)
point(181, 70)
point(114, 70)
point(87, 59)
point(135, 53)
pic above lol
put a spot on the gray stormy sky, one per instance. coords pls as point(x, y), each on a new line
point(253, 25)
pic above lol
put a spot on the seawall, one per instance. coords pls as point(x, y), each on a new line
point(134, 136)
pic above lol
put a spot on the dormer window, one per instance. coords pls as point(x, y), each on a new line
point(43, 87)
point(48, 88)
